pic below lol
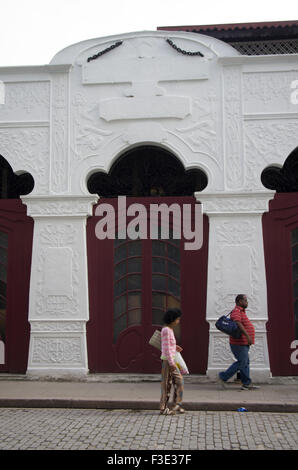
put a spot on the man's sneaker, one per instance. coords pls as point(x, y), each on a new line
point(249, 387)
point(221, 383)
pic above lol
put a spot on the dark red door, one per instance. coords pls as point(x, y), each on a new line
point(16, 232)
point(280, 227)
point(131, 284)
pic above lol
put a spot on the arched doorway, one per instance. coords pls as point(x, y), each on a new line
point(280, 226)
point(16, 233)
point(133, 281)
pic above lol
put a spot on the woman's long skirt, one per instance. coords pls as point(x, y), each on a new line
point(169, 379)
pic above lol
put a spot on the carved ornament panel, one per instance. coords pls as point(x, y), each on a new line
point(51, 351)
point(27, 149)
point(26, 101)
point(267, 92)
point(266, 143)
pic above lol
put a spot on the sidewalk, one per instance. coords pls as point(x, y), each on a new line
point(133, 392)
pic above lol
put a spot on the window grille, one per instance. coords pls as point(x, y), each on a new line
point(286, 46)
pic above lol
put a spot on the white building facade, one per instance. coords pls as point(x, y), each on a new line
point(229, 115)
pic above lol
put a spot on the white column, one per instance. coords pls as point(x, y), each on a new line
point(58, 303)
point(236, 266)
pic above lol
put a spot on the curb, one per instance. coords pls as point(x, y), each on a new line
point(143, 405)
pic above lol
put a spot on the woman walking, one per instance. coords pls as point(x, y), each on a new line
point(170, 374)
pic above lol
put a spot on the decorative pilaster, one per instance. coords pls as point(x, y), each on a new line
point(59, 176)
point(233, 128)
point(236, 266)
point(58, 303)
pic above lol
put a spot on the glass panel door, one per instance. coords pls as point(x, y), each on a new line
point(166, 291)
point(294, 246)
point(127, 285)
point(3, 283)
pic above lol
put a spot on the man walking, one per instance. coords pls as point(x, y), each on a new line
point(240, 347)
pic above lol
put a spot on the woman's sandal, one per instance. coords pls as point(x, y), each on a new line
point(167, 411)
point(178, 409)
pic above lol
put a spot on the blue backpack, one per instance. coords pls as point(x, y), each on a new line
point(228, 326)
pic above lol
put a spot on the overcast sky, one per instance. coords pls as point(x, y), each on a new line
point(33, 31)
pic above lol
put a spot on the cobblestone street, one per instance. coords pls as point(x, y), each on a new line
point(81, 429)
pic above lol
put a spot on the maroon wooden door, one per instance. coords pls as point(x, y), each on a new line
point(131, 284)
point(16, 232)
point(280, 227)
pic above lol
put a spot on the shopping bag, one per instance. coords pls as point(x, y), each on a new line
point(180, 363)
point(228, 326)
point(155, 340)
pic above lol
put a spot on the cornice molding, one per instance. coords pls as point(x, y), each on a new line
point(59, 206)
point(235, 203)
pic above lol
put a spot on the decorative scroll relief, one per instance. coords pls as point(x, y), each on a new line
point(26, 101)
point(220, 351)
point(222, 357)
point(200, 133)
point(89, 133)
point(266, 143)
point(51, 351)
point(57, 326)
point(59, 134)
point(230, 232)
point(27, 149)
point(233, 128)
point(265, 92)
point(92, 136)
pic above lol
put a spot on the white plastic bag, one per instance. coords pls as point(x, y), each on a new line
point(180, 363)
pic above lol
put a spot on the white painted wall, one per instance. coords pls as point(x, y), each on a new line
point(227, 114)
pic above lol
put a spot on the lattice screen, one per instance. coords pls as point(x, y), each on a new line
point(286, 46)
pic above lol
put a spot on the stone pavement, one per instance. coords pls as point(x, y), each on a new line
point(120, 413)
point(132, 430)
point(143, 392)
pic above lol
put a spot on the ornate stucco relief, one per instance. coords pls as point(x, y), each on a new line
point(200, 132)
point(95, 143)
point(99, 135)
point(51, 351)
point(61, 299)
point(44, 326)
point(58, 292)
point(268, 92)
point(89, 134)
point(59, 179)
point(26, 101)
point(233, 128)
point(236, 265)
point(267, 142)
point(221, 355)
point(27, 149)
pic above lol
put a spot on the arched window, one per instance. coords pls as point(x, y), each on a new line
point(284, 179)
point(12, 185)
point(147, 171)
